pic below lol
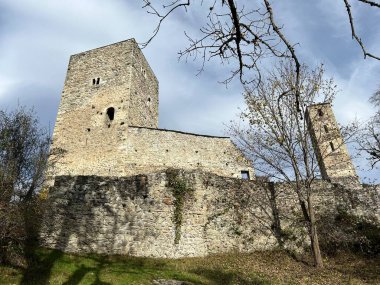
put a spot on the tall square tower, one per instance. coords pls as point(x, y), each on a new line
point(114, 76)
point(106, 89)
point(331, 151)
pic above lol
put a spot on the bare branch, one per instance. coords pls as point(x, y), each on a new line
point(291, 50)
point(371, 3)
point(174, 6)
point(354, 35)
point(243, 36)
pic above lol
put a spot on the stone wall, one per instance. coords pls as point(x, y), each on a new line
point(126, 151)
point(143, 106)
point(135, 215)
point(150, 150)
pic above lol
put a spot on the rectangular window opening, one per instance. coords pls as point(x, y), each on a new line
point(245, 174)
point(326, 128)
point(96, 81)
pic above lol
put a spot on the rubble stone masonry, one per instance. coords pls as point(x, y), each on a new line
point(135, 215)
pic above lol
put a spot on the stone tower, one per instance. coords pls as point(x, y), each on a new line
point(334, 161)
point(106, 89)
point(114, 76)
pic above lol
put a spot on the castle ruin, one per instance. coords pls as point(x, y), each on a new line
point(107, 123)
point(112, 190)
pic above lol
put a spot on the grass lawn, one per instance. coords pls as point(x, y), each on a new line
point(54, 267)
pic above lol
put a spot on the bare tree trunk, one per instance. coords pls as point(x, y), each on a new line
point(276, 215)
point(318, 262)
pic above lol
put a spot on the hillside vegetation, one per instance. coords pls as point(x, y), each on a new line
point(54, 267)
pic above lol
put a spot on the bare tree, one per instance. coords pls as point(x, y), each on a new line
point(277, 139)
point(23, 154)
point(244, 33)
point(370, 140)
point(24, 150)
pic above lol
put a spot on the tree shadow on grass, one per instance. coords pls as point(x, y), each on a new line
point(78, 275)
point(82, 271)
point(49, 267)
point(40, 270)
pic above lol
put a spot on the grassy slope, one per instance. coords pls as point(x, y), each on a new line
point(53, 267)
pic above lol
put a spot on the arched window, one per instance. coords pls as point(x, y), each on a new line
point(111, 113)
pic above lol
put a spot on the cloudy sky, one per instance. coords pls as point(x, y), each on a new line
point(38, 36)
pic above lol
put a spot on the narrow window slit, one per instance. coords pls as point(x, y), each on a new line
point(332, 146)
